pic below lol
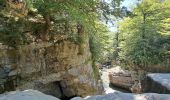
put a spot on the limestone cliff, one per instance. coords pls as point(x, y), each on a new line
point(53, 68)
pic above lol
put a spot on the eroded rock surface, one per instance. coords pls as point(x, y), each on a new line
point(121, 78)
point(52, 68)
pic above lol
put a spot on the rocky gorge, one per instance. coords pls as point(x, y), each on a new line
point(53, 55)
point(67, 50)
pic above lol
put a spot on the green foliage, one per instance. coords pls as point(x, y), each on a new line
point(46, 15)
point(142, 40)
point(100, 42)
point(95, 70)
point(83, 12)
point(12, 31)
point(111, 7)
point(78, 11)
point(73, 37)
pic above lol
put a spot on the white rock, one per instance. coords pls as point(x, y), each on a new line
point(77, 98)
point(26, 95)
point(161, 78)
point(130, 96)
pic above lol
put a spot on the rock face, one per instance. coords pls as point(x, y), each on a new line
point(121, 78)
point(26, 95)
point(125, 79)
point(158, 83)
point(52, 68)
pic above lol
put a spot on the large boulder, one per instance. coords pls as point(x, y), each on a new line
point(121, 78)
point(126, 79)
point(158, 83)
point(129, 96)
point(26, 95)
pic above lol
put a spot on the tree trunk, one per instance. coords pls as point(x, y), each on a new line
point(45, 35)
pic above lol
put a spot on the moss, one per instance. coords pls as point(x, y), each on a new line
point(95, 71)
point(81, 42)
point(87, 60)
point(73, 37)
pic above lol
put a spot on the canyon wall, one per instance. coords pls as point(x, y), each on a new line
point(53, 68)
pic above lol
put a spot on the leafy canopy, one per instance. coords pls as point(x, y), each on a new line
point(143, 39)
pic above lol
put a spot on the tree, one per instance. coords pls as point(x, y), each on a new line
point(142, 41)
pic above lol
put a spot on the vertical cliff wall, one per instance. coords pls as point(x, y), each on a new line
point(53, 68)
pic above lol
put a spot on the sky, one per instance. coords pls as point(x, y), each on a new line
point(130, 4)
point(127, 3)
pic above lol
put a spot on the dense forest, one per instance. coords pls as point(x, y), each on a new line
point(142, 38)
point(136, 38)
